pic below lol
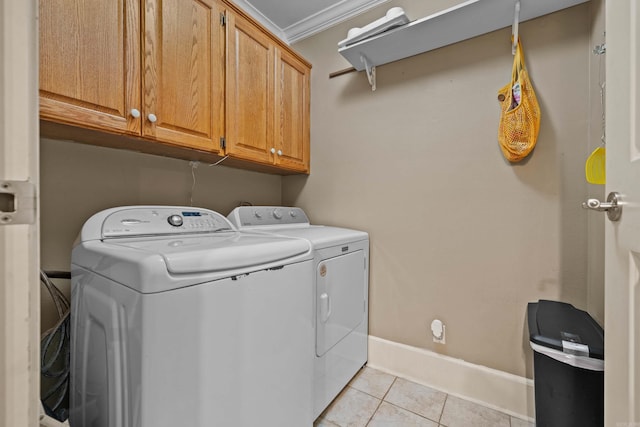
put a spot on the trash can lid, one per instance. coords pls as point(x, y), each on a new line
point(563, 327)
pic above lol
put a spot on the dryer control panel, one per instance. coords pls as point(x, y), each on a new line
point(255, 216)
point(162, 220)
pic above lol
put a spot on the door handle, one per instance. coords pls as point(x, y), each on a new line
point(325, 307)
point(612, 206)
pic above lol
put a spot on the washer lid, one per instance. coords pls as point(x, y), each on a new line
point(158, 264)
point(215, 253)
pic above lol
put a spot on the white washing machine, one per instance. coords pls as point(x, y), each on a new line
point(178, 319)
point(340, 282)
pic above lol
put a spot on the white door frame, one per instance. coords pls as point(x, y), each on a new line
point(19, 244)
point(622, 238)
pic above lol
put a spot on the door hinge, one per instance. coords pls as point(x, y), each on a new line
point(17, 202)
point(223, 19)
point(223, 142)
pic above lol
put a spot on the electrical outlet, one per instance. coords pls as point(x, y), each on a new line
point(438, 331)
point(194, 164)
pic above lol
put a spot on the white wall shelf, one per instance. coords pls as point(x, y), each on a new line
point(461, 22)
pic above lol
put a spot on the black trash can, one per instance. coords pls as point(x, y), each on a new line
point(568, 364)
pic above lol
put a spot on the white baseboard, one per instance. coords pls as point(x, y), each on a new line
point(495, 389)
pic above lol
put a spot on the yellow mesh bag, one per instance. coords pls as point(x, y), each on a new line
point(519, 121)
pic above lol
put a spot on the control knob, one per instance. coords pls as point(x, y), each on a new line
point(277, 214)
point(175, 220)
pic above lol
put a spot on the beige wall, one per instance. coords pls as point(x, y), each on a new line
point(457, 233)
point(79, 180)
point(596, 221)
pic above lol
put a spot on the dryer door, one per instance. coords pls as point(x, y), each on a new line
point(340, 298)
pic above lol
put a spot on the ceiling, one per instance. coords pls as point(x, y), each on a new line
point(294, 20)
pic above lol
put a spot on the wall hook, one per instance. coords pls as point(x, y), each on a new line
point(514, 30)
point(371, 72)
point(600, 49)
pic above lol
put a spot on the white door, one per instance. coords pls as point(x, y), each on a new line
point(622, 238)
point(19, 283)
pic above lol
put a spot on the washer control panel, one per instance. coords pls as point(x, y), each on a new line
point(255, 216)
point(146, 221)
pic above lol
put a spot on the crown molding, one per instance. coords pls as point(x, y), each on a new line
point(327, 18)
point(262, 19)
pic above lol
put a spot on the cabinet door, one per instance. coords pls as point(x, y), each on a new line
point(292, 112)
point(183, 77)
point(250, 55)
point(90, 63)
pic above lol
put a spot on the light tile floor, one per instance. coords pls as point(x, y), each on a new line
point(376, 399)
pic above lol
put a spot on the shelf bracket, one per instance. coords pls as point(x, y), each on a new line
point(371, 72)
point(514, 30)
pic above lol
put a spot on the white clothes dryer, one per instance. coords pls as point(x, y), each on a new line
point(178, 319)
point(340, 282)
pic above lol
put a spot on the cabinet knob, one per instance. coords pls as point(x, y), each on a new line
point(279, 152)
point(135, 113)
point(152, 118)
point(273, 151)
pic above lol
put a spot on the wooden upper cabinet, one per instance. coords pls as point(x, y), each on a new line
point(267, 99)
point(292, 112)
point(250, 90)
point(92, 72)
point(183, 72)
point(173, 74)
point(90, 63)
